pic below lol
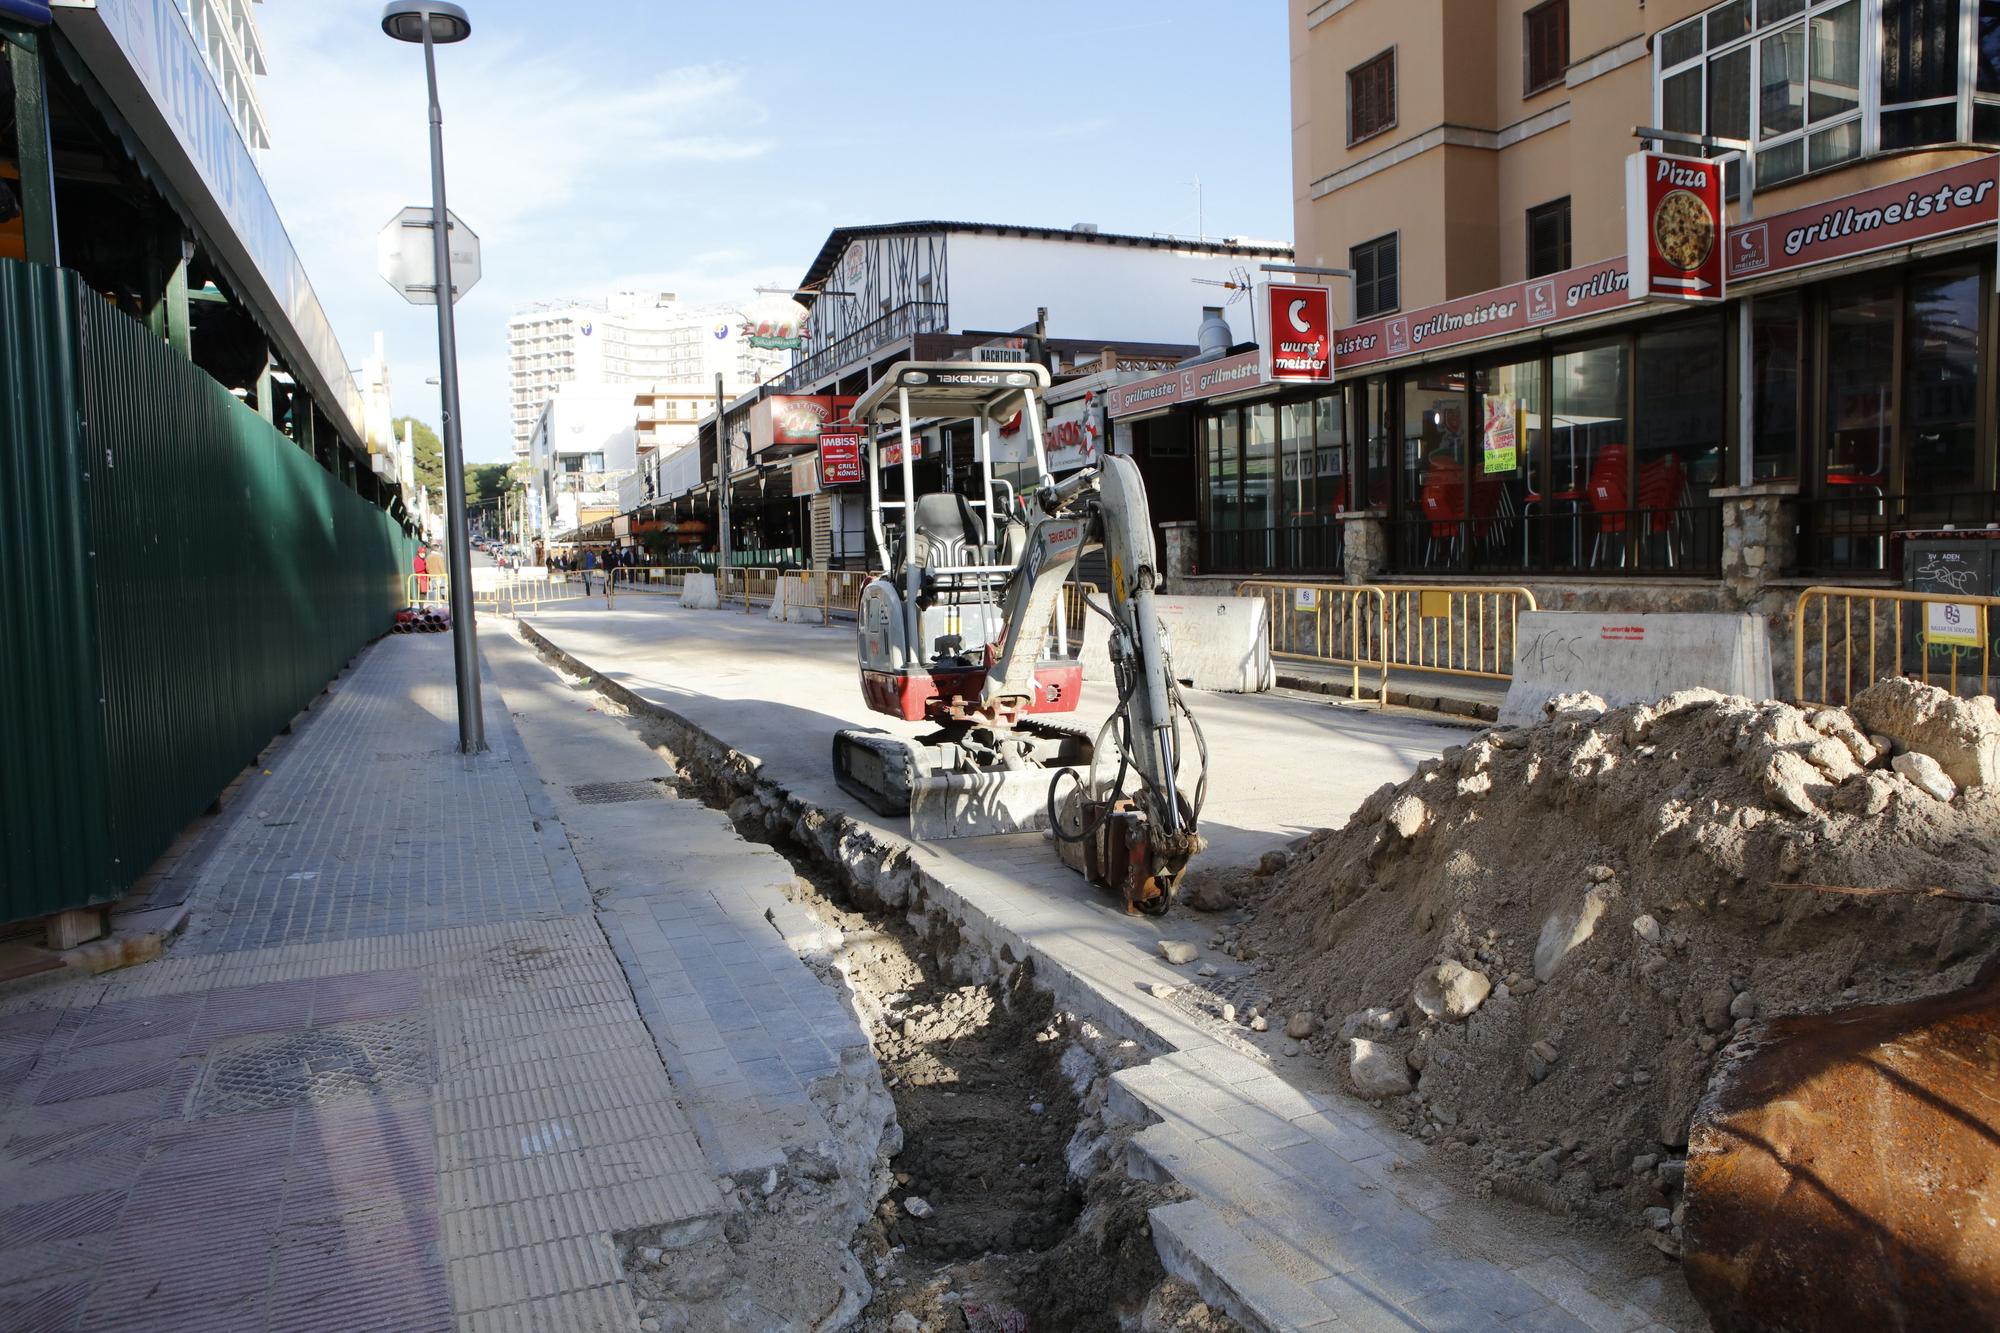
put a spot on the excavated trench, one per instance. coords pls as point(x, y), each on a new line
point(1006, 1207)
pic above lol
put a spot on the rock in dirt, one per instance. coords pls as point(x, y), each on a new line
point(1450, 991)
point(1211, 896)
point(905, 1322)
point(1301, 1025)
point(1259, 1023)
point(1178, 952)
point(1646, 928)
point(1407, 817)
point(1928, 775)
point(1961, 735)
point(1377, 1070)
point(916, 1206)
point(1567, 930)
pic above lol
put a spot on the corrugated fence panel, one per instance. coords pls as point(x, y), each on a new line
point(234, 576)
point(54, 852)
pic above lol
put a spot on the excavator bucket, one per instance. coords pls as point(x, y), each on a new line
point(1845, 1175)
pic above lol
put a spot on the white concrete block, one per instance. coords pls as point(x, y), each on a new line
point(1628, 658)
point(792, 601)
point(1216, 643)
point(698, 593)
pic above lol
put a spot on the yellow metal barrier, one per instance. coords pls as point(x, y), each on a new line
point(1459, 630)
point(1336, 623)
point(427, 589)
point(1846, 639)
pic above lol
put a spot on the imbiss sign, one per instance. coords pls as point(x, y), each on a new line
point(1298, 333)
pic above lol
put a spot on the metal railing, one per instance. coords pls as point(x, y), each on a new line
point(906, 320)
point(1855, 533)
point(1317, 547)
point(427, 589)
point(1846, 639)
point(1571, 538)
point(1459, 630)
point(1334, 623)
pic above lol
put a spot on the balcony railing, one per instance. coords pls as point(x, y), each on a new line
point(906, 320)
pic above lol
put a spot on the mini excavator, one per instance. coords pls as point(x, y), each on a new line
point(966, 631)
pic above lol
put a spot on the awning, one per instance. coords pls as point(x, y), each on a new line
point(34, 13)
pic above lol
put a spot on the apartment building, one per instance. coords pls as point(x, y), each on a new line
point(1505, 408)
point(632, 339)
point(233, 48)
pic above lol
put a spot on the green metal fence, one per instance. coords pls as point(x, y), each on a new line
point(179, 580)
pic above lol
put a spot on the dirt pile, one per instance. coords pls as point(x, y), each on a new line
point(1535, 949)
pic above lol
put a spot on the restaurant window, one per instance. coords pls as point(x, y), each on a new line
point(1940, 406)
point(1434, 458)
point(1548, 238)
point(1545, 37)
point(1919, 72)
point(1378, 443)
point(1260, 482)
point(1332, 466)
point(1860, 390)
point(1680, 442)
point(1511, 424)
point(1371, 97)
point(1774, 357)
point(1376, 286)
point(1589, 454)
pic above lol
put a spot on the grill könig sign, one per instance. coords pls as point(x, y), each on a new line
point(1298, 333)
point(1674, 227)
point(839, 456)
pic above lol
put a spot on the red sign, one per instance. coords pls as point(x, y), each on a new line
point(1189, 384)
point(1933, 204)
point(1298, 333)
point(839, 457)
point(1674, 227)
point(1589, 290)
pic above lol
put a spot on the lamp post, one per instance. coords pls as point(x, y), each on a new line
point(432, 22)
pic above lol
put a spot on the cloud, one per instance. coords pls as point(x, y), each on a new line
point(562, 170)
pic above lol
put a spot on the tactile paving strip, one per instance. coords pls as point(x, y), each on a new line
point(385, 1058)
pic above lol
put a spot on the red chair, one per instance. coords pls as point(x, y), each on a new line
point(1660, 486)
point(1443, 499)
point(1609, 498)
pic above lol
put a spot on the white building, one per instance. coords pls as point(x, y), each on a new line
point(582, 446)
point(629, 339)
point(902, 280)
point(226, 31)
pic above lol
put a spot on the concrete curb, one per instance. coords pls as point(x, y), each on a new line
point(1450, 705)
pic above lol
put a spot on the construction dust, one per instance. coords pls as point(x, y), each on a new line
point(1535, 951)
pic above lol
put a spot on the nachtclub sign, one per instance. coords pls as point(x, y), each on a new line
point(1673, 227)
point(1298, 333)
point(1935, 204)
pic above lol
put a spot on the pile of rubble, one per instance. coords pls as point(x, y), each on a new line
point(1535, 950)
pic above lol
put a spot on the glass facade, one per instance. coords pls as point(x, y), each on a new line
point(1818, 83)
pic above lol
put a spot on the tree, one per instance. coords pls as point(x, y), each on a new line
point(485, 483)
point(428, 454)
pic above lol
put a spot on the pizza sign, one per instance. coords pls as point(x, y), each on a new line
point(1674, 227)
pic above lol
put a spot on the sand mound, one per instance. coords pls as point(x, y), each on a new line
point(1536, 948)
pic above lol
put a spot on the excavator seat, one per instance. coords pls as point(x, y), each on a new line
point(947, 532)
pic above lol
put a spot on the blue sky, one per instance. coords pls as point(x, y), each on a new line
point(703, 149)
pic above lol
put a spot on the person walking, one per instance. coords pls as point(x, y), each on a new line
point(419, 582)
point(613, 564)
point(589, 568)
point(434, 570)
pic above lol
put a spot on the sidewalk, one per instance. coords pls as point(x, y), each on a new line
point(394, 1076)
point(1310, 1209)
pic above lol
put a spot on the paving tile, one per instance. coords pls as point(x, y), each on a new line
point(1450, 1311)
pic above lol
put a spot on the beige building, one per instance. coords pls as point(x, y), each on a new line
point(1504, 408)
point(1456, 126)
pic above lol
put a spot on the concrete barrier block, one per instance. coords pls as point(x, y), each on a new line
point(1216, 643)
point(698, 593)
point(792, 601)
point(1630, 658)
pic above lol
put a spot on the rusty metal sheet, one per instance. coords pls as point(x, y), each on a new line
point(1845, 1173)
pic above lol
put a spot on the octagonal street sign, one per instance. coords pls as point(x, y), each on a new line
point(403, 256)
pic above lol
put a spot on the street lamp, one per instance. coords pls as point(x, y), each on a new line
point(433, 22)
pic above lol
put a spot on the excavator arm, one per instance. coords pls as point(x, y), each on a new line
point(1128, 826)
